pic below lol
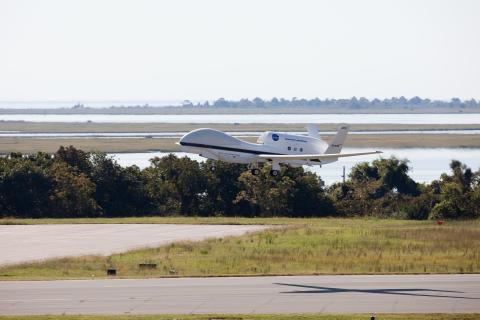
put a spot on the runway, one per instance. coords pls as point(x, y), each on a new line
point(23, 243)
point(290, 294)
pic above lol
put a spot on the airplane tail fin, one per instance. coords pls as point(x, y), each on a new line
point(313, 131)
point(337, 142)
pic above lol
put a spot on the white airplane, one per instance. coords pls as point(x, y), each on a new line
point(271, 147)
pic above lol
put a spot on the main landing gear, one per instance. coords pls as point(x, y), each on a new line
point(274, 173)
point(255, 171)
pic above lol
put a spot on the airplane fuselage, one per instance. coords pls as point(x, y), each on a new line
point(217, 145)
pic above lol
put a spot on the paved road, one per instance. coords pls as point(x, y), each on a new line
point(21, 243)
point(331, 294)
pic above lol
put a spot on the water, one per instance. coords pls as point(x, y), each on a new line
point(56, 135)
point(89, 104)
point(427, 163)
point(457, 118)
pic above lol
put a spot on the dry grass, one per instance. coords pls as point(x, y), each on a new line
point(183, 127)
point(304, 246)
point(385, 316)
point(33, 145)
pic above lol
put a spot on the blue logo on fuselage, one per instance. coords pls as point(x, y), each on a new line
point(275, 137)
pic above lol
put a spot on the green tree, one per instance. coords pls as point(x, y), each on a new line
point(265, 195)
point(119, 191)
point(222, 187)
point(72, 193)
point(24, 188)
point(76, 158)
point(182, 183)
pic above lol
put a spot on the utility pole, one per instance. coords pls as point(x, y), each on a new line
point(343, 175)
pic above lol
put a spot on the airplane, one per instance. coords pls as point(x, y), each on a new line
point(272, 147)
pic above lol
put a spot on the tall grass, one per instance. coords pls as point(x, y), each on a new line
point(316, 246)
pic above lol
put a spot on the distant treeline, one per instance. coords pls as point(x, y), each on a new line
point(74, 183)
point(354, 103)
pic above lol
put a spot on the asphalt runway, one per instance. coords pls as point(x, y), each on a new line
point(290, 294)
point(22, 243)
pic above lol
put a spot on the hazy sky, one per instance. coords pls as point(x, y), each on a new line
point(179, 49)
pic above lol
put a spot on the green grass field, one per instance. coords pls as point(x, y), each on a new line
point(298, 246)
point(436, 316)
point(154, 220)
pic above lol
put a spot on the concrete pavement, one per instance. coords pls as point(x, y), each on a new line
point(22, 243)
point(291, 294)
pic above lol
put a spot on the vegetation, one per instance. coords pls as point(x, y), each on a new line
point(77, 127)
point(352, 105)
point(313, 316)
point(354, 102)
point(113, 145)
point(152, 220)
point(75, 184)
point(300, 246)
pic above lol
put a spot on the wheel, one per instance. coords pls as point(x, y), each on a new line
point(274, 173)
point(255, 172)
point(213, 168)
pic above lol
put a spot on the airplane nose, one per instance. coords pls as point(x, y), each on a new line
point(183, 139)
point(189, 137)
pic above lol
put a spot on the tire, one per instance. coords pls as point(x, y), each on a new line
point(213, 168)
point(274, 173)
point(255, 172)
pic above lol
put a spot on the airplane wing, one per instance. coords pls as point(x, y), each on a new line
point(307, 157)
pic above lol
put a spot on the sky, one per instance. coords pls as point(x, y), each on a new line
point(141, 50)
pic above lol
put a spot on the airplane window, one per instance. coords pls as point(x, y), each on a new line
point(301, 149)
point(294, 149)
point(289, 148)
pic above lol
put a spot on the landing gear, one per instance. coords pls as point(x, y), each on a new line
point(255, 171)
point(274, 173)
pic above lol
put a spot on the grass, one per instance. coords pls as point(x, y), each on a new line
point(386, 316)
point(33, 145)
point(53, 127)
point(301, 246)
point(154, 220)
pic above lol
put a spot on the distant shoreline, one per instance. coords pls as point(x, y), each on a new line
point(242, 110)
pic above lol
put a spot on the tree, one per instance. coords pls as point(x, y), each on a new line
point(76, 158)
point(309, 198)
point(24, 188)
point(119, 191)
point(266, 196)
point(222, 187)
point(458, 193)
point(182, 182)
point(72, 193)
point(394, 175)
